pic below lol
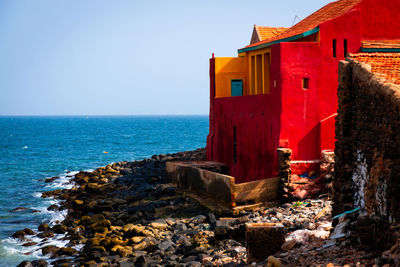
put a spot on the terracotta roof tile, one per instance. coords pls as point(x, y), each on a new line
point(383, 65)
point(330, 11)
point(268, 32)
point(381, 44)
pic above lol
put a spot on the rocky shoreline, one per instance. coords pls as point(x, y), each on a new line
point(126, 214)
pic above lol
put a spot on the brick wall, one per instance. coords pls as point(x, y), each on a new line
point(367, 153)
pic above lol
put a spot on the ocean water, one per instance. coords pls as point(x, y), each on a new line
point(35, 148)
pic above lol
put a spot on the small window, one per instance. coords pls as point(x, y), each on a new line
point(306, 83)
point(234, 146)
point(334, 47)
point(345, 47)
point(236, 87)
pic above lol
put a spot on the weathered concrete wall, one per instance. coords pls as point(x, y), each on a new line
point(367, 170)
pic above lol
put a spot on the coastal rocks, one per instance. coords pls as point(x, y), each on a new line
point(67, 251)
point(25, 264)
point(159, 226)
point(54, 193)
point(52, 250)
point(59, 229)
point(199, 219)
point(78, 202)
point(39, 263)
point(21, 233)
point(43, 227)
point(125, 214)
point(53, 207)
point(52, 179)
point(17, 209)
point(125, 171)
point(165, 245)
point(29, 244)
point(46, 234)
point(35, 263)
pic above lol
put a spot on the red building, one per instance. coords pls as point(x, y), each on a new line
point(281, 89)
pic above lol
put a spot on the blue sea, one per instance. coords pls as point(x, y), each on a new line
point(35, 148)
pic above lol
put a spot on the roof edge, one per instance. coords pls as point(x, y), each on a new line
point(258, 33)
point(380, 50)
point(288, 39)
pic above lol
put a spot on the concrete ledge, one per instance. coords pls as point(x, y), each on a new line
point(196, 178)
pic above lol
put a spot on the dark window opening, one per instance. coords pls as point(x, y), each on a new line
point(334, 47)
point(267, 83)
point(259, 79)
point(306, 83)
point(253, 76)
point(234, 146)
point(345, 47)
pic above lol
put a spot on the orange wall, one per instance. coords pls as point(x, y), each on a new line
point(227, 69)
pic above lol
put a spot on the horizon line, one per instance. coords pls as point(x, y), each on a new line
point(94, 115)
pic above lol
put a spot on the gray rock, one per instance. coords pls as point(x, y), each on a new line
point(236, 251)
point(138, 253)
point(16, 210)
point(170, 221)
point(25, 264)
point(201, 256)
point(192, 232)
point(182, 240)
point(218, 256)
point(181, 227)
point(211, 218)
point(172, 257)
point(286, 205)
point(222, 229)
point(189, 259)
point(125, 171)
point(279, 215)
point(39, 263)
point(144, 259)
point(199, 219)
point(193, 264)
point(163, 246)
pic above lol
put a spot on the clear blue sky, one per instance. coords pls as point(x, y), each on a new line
point(97, 57)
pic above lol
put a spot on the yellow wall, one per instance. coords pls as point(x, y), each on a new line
point(227, 69)
point(251, 83)
point(232, 68)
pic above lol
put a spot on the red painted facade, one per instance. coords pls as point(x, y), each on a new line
point(245, 131)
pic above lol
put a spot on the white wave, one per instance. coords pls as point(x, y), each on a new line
point(43, 209)
point(57, 217)
point(37, 194)
point(65, 180)
point(14, 246)
point(62, 182)
point(25, 147)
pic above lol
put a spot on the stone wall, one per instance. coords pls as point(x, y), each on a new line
point(367, 153)
point(305, 179)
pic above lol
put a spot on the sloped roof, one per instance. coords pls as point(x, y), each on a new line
point(383, 65)
point(265, 32)
point(380, 44)
point(330, 11)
